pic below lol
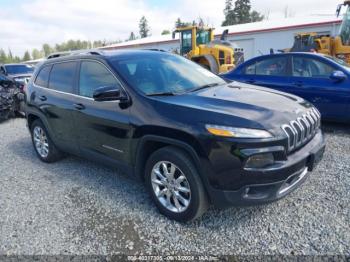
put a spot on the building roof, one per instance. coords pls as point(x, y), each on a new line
point(257, 27)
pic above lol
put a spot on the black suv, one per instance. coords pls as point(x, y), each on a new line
point(192, 137)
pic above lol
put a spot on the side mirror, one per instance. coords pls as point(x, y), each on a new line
point(338, 76)
point(109, 93)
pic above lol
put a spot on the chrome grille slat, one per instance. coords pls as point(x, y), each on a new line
point(302, 129)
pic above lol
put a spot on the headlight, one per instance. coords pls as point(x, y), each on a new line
point(227, 131)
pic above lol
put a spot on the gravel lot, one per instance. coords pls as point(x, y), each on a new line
point(78, 207)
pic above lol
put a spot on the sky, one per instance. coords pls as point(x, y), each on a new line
point(27, 24)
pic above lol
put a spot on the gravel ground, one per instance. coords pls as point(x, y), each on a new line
point(78, 207)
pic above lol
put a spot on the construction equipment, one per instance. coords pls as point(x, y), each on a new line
point(197, 43)
point(337, 46)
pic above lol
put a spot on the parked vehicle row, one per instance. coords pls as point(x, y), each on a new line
point(322, 80)
point(192, 137)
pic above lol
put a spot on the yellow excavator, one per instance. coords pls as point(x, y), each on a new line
point(337, 46)
point(197, 43)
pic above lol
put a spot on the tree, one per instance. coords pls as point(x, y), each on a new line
point(240, 14)
point(132, 36)
point(256, 16)
point(242, 11)
point(47, 49)
point(3, 56)
point(143, 27)
point(36, 54)
point(166, 32)
point(179, 23)
point(10, 56)
point(26, 56)
point(229, 15)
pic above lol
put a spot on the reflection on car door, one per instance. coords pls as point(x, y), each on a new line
point(102, 126)
point(311, 80)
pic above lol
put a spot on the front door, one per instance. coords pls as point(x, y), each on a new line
point(103, 127)
point(311, 80)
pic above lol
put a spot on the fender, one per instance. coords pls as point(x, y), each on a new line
point(211, 61)
point(169, 141)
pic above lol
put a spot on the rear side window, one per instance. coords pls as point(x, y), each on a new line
point(93, 75)
point(42, 78)
point(62, 77)
point(276, 66)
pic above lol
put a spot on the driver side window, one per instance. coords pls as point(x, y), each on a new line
point(94, 75)
point(308, 67)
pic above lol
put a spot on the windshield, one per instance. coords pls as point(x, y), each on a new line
point(345, 28)
point(203, 37)
point(19, 69)
point(164, 73)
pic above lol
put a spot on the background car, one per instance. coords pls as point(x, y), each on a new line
point(320, 79)
point(10, 98)
point(20, 73)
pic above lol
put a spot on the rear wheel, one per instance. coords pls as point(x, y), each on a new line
point(43, 145)
point(175, 185)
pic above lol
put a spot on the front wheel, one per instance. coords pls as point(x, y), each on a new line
point(175, 185)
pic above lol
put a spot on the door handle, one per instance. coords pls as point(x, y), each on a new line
point(298, 83)
point(79, 106)
point(42, 98)
point(251, 81)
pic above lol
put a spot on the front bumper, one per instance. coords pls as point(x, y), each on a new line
point(279, 182)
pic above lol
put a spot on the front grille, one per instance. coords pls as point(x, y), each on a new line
point(302, 129)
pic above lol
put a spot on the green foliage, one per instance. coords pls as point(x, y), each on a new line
point(26, 56)
point(132, 36)
point(240, 14)
point(179, 23)
point(166, 32)
point(143, 27)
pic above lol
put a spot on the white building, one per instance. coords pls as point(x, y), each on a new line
point(255, 38)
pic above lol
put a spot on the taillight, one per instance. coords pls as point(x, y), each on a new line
point(228, 60)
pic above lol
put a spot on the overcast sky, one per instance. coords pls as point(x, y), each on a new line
point(27, 24)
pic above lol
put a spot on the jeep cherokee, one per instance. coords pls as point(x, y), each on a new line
point(193, 138)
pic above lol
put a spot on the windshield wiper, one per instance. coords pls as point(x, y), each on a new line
point(204, 86)
point(161, 94)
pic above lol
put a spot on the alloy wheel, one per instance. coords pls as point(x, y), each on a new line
point(171, 186)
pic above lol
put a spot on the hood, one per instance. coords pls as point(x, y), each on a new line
point(244, 105)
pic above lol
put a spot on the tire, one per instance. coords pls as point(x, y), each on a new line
point(53, 154)
point(197, 200)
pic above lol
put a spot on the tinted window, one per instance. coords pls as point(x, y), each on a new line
point(92, 76)
point(308, 67)
point(273, 67)
point(42, 78)
point(62, 77)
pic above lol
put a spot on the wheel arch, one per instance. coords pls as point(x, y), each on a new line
point(150, 143)
point(213, 65)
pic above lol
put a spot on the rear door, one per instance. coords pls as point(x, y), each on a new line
point(55, 97)
point(311, 80)
point(103, 127)
point(269, 72)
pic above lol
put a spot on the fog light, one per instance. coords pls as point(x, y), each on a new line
point(260, 160)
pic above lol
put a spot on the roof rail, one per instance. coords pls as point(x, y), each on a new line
point(77, 52)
